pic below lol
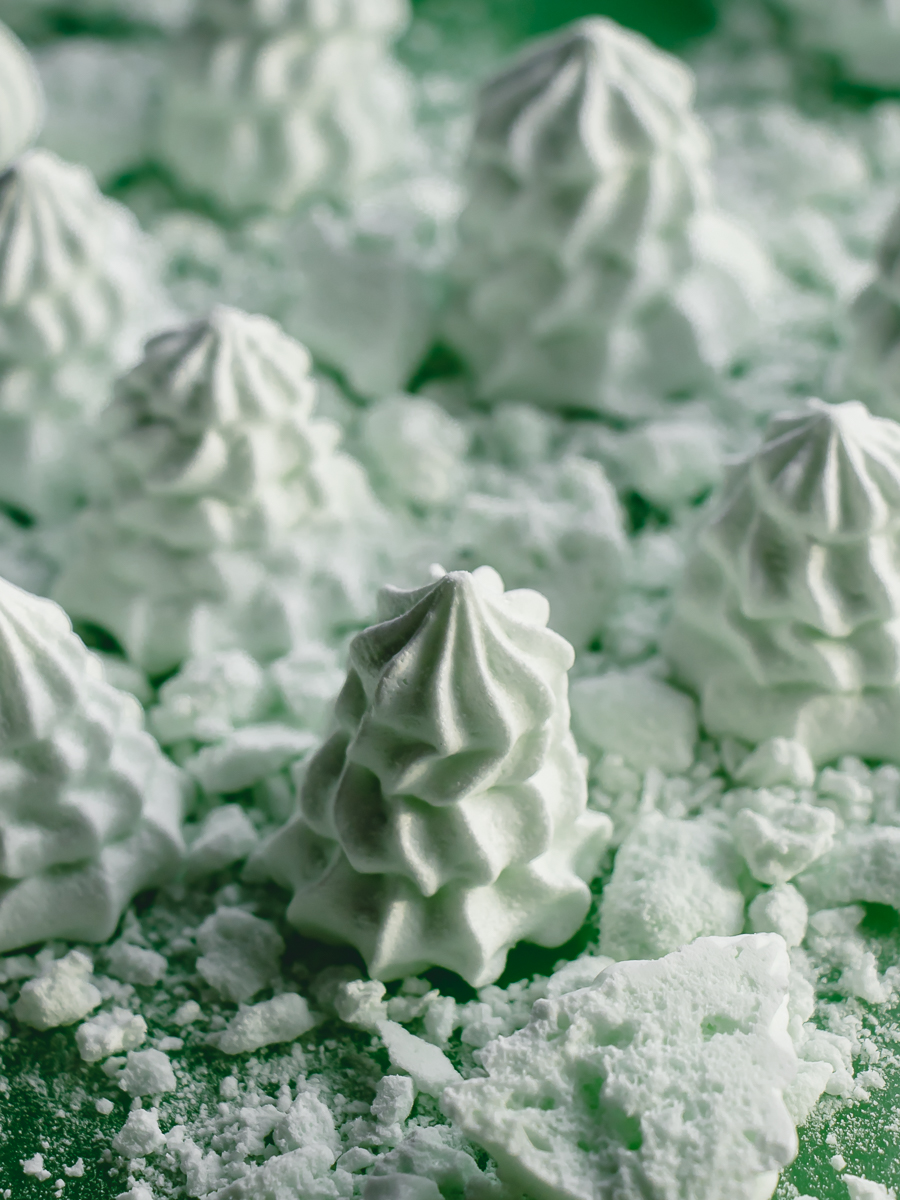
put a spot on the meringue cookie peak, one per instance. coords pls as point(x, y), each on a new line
point(21, 99)
point(590, 251)
point(90, 809)
point(212, 477)
point(445, 818)
point(786, 622)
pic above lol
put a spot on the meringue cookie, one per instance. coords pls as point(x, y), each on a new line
point(786, 621)
point(213, 482)
point(445, 817)
point(661, 1078)
point(270, 103)
point(21, 99)
point(77, 297)
point(90, 809)
point(594, 270)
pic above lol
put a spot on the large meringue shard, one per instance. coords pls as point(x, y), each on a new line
point(77, 297)
point(21, 100)
point(90, 808)
point(786, 622)
point(662, 1079)
point(594, 270)
point(445, 818)
point(268, 105)
point(212, 479)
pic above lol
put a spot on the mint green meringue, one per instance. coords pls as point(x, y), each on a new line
point(786, 622)
point(90, 808)
point(594, 270)
point(217, 499)
point(444, 819)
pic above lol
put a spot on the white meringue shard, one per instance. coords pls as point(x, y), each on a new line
point(270, 103)
point(660, 1079)
point(445, 818)
point(90, 809)
point(21, 100)
point(203, 535)
point(594, 270)
point(787, 622)
point(77, 297)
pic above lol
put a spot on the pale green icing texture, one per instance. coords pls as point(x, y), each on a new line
point(862, 35)
point(594, 269)
point(786, 620)
point(660, 1079)
point(269, 104)
point(444, 819)
point(90, 809)
point(673, 881)
point(218, 496)
point(77, 296)
point(21, 101)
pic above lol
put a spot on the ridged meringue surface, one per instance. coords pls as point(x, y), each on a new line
point(21, 99)
point(77, 296)
point(787, 618)
point(210, 473)
point(271, 104)
point(445, 819)
point(590, 243)
point(90, 808)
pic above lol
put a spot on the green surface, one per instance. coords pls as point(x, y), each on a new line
point(667, 23)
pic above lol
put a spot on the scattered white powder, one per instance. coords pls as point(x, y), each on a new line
point(135, 964)
point(147, 1073)
point(35, 1166)
point(429, 1067)
point(281, 1019)
point(140, 1135)
point(61, 995)
point(865, 1189)
point(110, 1033)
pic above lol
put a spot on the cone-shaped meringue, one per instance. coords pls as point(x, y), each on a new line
point(271, 102)
point(787, 622)
point(215, 475)
point(444, 819)
point(21, 99)
point(90, 809)
point(77, 297)
point(593, 269)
